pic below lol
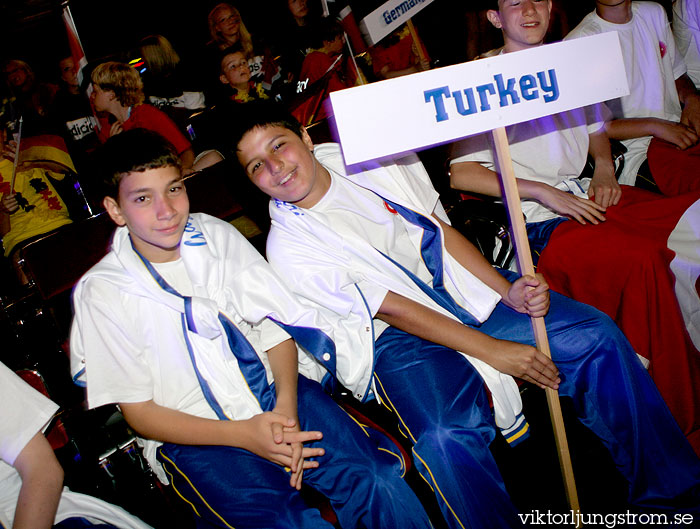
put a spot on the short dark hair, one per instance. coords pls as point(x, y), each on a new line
point(327, 30)
point(236, 48)
point(134, 150)
point(258, 114)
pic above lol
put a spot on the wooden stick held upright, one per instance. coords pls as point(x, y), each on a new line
point(416, 40)
point(522, 249)
point(14, 164)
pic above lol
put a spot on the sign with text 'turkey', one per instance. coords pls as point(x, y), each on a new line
point(390, 117)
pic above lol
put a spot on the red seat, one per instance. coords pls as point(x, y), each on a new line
point(56, 432)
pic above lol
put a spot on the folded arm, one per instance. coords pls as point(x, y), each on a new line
point(474, 177)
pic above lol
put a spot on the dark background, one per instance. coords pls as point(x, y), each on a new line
point(32, 30)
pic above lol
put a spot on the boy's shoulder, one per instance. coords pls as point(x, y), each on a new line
point(107, 276)
point(649, 11)
point(642, 10)
point(204, 229)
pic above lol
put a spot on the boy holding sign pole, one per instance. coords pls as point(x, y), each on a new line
point(422, 321)
point(637, 248)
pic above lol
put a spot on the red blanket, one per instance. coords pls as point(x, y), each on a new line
point(674, 171)
point(622, 268)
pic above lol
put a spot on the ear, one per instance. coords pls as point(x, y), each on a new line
point(494, 17)
point(307, 139)
point(114, 211)
point(223, 79)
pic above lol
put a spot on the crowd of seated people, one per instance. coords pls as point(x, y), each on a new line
point(643, 225)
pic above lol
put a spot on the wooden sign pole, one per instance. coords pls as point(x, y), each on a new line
point(416, 40)
point(522, 250)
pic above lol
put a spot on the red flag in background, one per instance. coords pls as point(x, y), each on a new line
point(77, 53)
point(76, 48)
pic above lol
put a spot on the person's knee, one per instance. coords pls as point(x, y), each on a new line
point(447, 439)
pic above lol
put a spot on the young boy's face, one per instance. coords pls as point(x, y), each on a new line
point(524, 22)
point(235, 70)
point(153, 205)
point(335, 46)
point(282, 165)
point(101, 99)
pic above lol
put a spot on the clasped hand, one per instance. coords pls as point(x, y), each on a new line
point(277, 438)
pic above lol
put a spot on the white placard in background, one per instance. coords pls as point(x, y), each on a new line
point(428, 108)
point(386, 18)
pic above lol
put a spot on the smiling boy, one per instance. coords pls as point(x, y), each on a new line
point(186, 327)
point(372, 250)
point(647, 239)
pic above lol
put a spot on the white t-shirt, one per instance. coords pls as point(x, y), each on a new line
point(135, 347)
point(552, 150)
point(23, 413)
point(351, 209)
point(652, 63)
point(686, 30)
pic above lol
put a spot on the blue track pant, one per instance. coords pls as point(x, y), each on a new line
point(443, 408)
point(360, 474)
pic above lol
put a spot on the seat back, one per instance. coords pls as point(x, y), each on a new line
point(56, 432)
point(54, 263)
point(213, 190)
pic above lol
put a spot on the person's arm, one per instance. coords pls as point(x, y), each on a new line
point(690, 101)
point(167, 425)
point(42, 482)
point(474, 177)
point(529, 295)
point(604, 188)
point(284, 366)
point(676, 133)
point(522, 361)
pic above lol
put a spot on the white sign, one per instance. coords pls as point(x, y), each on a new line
point(428, 108)
point(386, 18)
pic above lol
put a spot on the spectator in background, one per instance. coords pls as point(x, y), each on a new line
point(397, 55)
point(118, 92)
point(686, 30)
point(32, 97)
point(298, 22)
point(227, 29)
point(30, 205)
point(325, 69)
point(74, 116)
point(167, 86)
point(235, 72)
point(330, 55)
